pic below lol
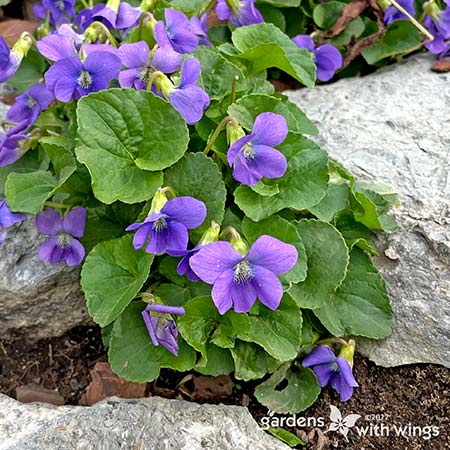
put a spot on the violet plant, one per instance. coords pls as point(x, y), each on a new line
point(213, 235)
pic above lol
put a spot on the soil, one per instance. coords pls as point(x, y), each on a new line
point(408, 398)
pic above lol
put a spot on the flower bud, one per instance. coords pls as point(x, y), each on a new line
point(211, 234)
point(348, 351)
point(234, 132)
point(159, 200)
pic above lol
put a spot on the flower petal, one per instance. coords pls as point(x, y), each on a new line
point(221, 291)
point(339, 384)
point(243, 296)
point(323, 372)
point(141, 236)
point(245, 170)
point(236, 148)
point(320, 355)
point(51, 252)
point(64, 89)
point(74, 222)
point(269, 162)
point(134, 55)
point(127, 17)
point(8, 218)
point(128, 77)
point(190, 103)
point(190, 72)
point(269, 129)
point(328, 60)
point(186, 210)
point(346, 371)
point(49, 222)
point(76, 254)
point(67, 67)
point(268, 287)
point(104, 64)
point(55, 47)
point(304, 41)
point(272, 254)
point(166, 60)
point(178, 236)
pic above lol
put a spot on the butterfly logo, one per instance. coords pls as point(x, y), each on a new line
point(340, 424)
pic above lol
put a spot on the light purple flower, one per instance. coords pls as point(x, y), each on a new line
point(56, 8)
point(175, 32)
point(239, 12)
point(125, 17)
point(188, 98)
point(439, 27)
point(9, 63)
point(328, 58)
point(330, 369)
point(168, 228)
point(161, 328)
point(239, 280)
point(140, 66)
point(8, 219)
point(62, 244)
point(69, 78)
point(200, 28)
point(253, 157)
point(30, 104)
point(10, 143)
point(392, 13)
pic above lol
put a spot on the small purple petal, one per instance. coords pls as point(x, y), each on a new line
point(166, 60)
point(190, 102)
point(186, 210)
point(166, 309)
point(127, 17)
point(243, 295)
point(269, 162)
point(55, 47)
point(323, 372)
point(141, 235)
point(134, 55)
point(221, 291)
point(269, 129)
point(103, 64)
point(304, 41)
point(151, 326)
point(74, 222)
point(75, 254)
point(320, 355)
point(51, 252)
point(328, 60)
point(49, 222)
point(8, 218)
point(268, 287)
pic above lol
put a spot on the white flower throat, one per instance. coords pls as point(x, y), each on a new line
point(242, 272)
point(84, 79)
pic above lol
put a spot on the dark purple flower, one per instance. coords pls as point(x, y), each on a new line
point(328, 58)
point(85, 17)
point(188, 98)
point(30, 104)
point(8, 219)
point(161, 328)
point(168, 228)
point(9, 63)
point(119, 16)
point(239, 12)
point(330, 369)
point(62, 243)
point(56, 8)
point(200, 28)
point(69, 78)
point(253, 157)
point(238, 280)
point(10, 143)
point(175, 32)
point(140, 66)
point(392, 13)
point(438, 24)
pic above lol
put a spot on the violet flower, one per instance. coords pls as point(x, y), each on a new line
point(85, 17)
point(239, 280)
point(392, 13)
point(328, 58)
point(140, 66)
point(56, 8)
point(8, 219)
point(438, 25)
point(30, 104)
point(238, 12)
point(69, 78)
point(199, 26)
point(333, 370)
point(117, 15)
point(175, 32)
point(189, 99)
point(253, 157)
point(161, 328)
point(168, 228)
point(62, 243)
point(9, 62)
point(10, 143)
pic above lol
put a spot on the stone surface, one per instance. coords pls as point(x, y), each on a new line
point(145, 424)
point(394, 126)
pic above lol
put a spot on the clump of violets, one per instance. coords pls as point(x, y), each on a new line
point(332, 369)
point(392, 13)
point(11, 143)
point(57, 10)
point(253, 157)
point(63, 234)
point(116, 14)
point(327, 57)
point(239, 278)
point(161, 327)
point(8, 219)
point(238, 12)
point(166, 227)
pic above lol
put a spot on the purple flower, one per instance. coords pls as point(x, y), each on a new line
point(328, 58)
point(200, 28)
point(239, 12)
point(30, 104)
point(175, 32)
point(62, 243)
point(69, 78)
point(168, 228)
point(330, 369)
point(9, 63)
point(238, 280)
point(140, 67)
point(8, 219)
point(119, 17)
point(85, 17)
point(188, 98)
point(439, 26)
point(253, 156)
point(162, 329)
point(56, 8)
point(10, 144)
point(392, 13)
point(55, 47)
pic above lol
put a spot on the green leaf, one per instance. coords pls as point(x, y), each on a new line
point(353, 30)
point(286, 436)
point(325, 15)
point(231, 325)
point(112, 275)
point(198, 176)
point(184, 361)
point(264, 45)
point(187, 6)
point(123, 134)
point(247, 108)
point(62, 159)
point(360, 307)
point(279, 332)
point(218, 361)
point(30, 71)
point(401, 37)
point(303, 185)
point(217, 73)
point(251, 361)
point(328, 259)
point(283, 3)
point(273, 15)
point(301, 391)
point(285, 231)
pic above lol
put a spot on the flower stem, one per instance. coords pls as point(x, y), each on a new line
point(152, 79)
point(233, 89)
point(104, 30)
point(332, 340)
point(57, 205)
point(223, 123)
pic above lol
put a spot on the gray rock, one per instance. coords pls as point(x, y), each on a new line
point(36, 298)
point(145, 424)
point(394, 126)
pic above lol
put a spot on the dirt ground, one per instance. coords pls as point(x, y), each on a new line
point(411, 400)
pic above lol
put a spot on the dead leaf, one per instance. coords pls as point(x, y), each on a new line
point(211, 387)
point(34, 393)
point(350, 12)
